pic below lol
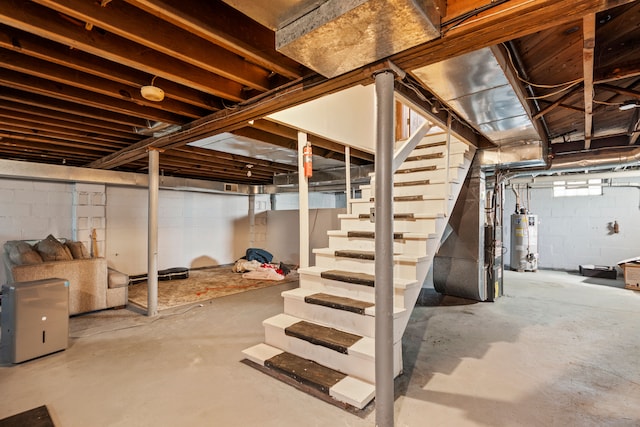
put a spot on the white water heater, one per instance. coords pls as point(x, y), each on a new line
point(524, 242)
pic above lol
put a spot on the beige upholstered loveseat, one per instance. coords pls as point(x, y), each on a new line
point(92, 286)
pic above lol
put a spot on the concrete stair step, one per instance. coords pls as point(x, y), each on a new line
point(311, 376)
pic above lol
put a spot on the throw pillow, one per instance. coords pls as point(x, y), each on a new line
point(50, 249)
point(22, 253)
point(78, 250)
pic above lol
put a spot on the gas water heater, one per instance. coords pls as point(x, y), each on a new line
point(524, 241)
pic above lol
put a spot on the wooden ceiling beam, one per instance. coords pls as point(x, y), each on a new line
point(47, 50)
point(617, 72)
point(46, 23)
point(60, 74)
point(147, 30)
point(68, 93)
point(206, 153)
point(620, 90)
point(589, 40)
point(45, 122)
point(573, 91)
point(58, 118)
point(119, 121)
point(507, 21)
point(57, 146)
point(517, 19)
point(291, 133)
point(31, 128)
point(223, 25)
point(34, 154)
point(226, 169)
point(285, 142)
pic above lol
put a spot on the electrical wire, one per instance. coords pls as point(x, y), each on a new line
point(557, 91)
point(539, 85)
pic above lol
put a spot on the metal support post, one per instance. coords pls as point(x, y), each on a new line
point(347, 176)
point(303, 203)
point(384, 248)
point(152, 236)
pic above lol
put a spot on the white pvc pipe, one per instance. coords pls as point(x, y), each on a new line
point(347, 176)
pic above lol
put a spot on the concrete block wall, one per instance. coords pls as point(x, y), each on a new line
point(33, 210)
point(576, 230)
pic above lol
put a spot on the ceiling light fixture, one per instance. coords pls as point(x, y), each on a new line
point(151, 92)
point(628, 105)
point(249, 171)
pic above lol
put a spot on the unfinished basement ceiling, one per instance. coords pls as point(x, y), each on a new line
point(71, 73)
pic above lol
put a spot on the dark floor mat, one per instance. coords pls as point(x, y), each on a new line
point(36, 417)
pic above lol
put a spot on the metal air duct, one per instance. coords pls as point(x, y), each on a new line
point(342, 35)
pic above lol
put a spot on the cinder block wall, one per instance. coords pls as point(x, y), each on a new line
point(575, 230)
point(33, 210)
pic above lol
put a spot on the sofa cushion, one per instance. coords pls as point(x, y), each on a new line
point(22, 253)
point(50, 249)
point(78, 249)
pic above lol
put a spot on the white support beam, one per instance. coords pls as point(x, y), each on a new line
point(152, 237)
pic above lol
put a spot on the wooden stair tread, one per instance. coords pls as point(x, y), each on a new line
point(419, 157)
point(431, 144)
point(325, 383)
point(422, 169)
point(305, 371)
point(412, 183)
point(321, 335)
point(395, 216)
point(415, 198)
point(371, 235)
point(349, 277)
point(366, 255)
point(339, 303)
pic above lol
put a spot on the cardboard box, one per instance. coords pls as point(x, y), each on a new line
point(632, 275)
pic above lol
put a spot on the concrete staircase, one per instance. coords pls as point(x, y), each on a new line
point(324, 341)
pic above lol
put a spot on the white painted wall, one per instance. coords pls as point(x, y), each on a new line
point(574, 230)
point(347, 117)
point(317, 200)
point(283, 232)
point(33, 210)
point(194, 229)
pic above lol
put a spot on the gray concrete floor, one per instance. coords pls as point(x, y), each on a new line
point(558, 350)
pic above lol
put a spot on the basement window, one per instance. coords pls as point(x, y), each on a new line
point(585, 187)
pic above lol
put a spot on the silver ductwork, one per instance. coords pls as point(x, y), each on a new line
point(338, 36)
point(604, 158)
point(476, 86)
point(529, 154)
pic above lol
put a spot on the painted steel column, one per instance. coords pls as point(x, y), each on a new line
point(347, 175)
point(303, 203)
point(384, 248)
point(252, 220)
point(152, 236)
point(447, 184)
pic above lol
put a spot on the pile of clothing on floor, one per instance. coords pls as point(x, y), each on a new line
point(256, 264)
